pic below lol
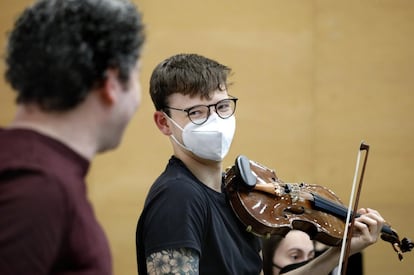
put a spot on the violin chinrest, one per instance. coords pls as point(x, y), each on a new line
point(245, 172)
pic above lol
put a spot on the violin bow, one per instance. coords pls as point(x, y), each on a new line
point(349, 224)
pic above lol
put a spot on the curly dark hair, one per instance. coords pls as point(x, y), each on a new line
point(59, 49)
point(187, 74)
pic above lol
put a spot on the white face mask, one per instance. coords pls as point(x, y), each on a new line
point(211, 140)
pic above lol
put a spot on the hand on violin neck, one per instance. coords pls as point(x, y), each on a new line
point(367, 229)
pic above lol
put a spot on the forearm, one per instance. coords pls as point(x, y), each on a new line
point(173, 261)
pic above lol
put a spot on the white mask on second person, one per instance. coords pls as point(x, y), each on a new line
point(210, 140)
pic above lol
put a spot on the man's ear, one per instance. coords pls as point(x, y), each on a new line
point(161, 121)
point(110, 87)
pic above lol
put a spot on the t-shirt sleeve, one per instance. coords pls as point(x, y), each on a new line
point(32, 222)
point(175, 218)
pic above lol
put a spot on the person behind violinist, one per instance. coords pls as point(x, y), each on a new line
point(187, 225)
point(279, 252)
point(284, 253)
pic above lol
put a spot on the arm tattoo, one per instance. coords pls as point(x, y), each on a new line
point(183, 261)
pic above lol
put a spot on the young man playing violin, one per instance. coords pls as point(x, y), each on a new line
point(187, 225)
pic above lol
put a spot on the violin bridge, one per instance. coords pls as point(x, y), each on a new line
point(293, 189)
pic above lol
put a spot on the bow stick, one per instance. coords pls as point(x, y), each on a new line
point(349, 224)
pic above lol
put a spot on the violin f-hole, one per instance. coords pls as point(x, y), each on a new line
point(296, 210)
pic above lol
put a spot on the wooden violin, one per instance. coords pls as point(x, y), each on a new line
point(268, 206)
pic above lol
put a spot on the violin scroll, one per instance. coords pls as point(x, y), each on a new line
point(400, 247)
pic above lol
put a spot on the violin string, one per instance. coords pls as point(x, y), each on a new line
point(329, 206)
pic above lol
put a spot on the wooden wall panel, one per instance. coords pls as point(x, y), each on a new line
point(314, 78)
point(363, 90)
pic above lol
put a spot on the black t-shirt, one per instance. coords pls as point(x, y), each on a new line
point(182, 212)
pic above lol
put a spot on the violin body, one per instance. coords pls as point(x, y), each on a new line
point(268, 206)
point(265, 213)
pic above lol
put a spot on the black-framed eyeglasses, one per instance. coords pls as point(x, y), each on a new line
point(199, 114)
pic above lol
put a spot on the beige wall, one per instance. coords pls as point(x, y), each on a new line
point(314, 78)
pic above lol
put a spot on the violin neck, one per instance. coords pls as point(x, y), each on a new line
point(340, 211)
